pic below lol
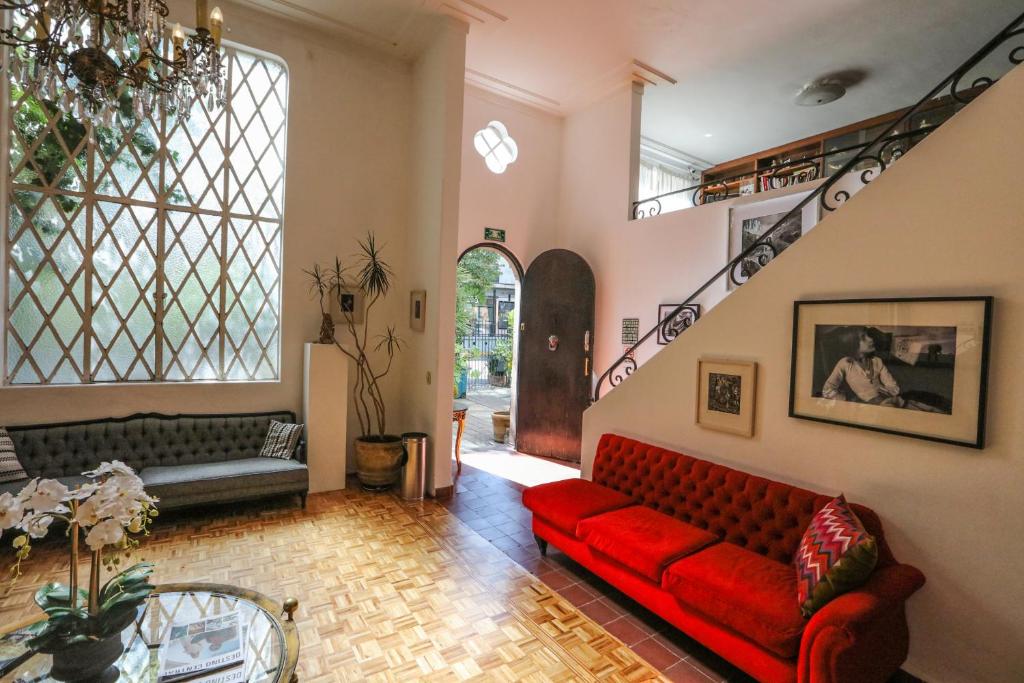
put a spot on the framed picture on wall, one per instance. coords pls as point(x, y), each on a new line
point(725, 395)
point(914, 367)
point(417, 310)
point(671, 327)
point(748, 222)
point(348, 303)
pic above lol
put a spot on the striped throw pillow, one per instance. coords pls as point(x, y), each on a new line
point(282, 438)
point(10, 468)
point(836, 555)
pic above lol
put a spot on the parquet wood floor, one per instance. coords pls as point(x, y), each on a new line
point(388, 591)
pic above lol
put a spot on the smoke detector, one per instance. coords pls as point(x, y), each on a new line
point(821, 91)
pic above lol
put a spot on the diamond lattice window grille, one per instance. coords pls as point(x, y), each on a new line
point(149, 250)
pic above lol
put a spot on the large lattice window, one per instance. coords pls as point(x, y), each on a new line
point(149, 250)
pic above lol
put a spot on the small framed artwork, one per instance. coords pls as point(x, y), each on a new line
point(748, 222)
point(350, 304)
point(630, 331)
point(725, 395)
point(417, 310)
point(914, 367)
point(671, 327)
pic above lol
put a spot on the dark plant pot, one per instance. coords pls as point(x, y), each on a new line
point(89, 662)
point(379, 461)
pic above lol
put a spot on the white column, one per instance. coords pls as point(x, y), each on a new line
point(325, 410)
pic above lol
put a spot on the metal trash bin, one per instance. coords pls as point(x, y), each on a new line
point(414, 472)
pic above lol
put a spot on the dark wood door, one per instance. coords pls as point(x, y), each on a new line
point(554, 385)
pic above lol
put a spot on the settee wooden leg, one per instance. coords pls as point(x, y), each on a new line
point(542, 544)
point(303, 496)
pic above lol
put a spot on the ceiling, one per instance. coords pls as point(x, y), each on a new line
point(735, 66)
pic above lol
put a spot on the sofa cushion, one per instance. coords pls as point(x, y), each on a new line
point(642, 539)
point(282, 438)
point(185, 481)
point(10, 467)
point(743, 590)
point(836, 555)
point(564, 503)
point(768, 517)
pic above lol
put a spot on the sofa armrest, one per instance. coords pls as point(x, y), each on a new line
point(300, 451)
point(861, 635)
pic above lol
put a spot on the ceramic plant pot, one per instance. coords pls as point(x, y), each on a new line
point(379, 461)
point(500, 419)
point(88, 662)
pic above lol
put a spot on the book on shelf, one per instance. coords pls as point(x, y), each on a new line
point(203, 648)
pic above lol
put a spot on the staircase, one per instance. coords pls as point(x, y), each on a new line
point(868, 162)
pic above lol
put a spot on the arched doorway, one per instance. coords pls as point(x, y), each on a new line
point(488, 293)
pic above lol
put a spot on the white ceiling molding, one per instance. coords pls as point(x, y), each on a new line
point(667, 155)
point(469, 9)
point(294, 10)
point(651, 75)
point(514, 92)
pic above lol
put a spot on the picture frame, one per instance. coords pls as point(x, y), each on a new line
point(749, 221)
point(417, 310)
point(914, 367)
point(669, 330)
point(348, 301)
point(726, 394)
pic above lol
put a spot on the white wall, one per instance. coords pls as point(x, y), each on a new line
point(945, 220)
point(524, 199)
point(347, 172)
point(432, 242)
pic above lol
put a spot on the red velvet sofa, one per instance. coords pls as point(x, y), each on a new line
point(710, 549)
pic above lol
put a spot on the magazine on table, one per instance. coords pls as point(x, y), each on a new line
point(202, 647)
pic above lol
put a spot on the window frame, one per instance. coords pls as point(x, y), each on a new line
point(167, 232)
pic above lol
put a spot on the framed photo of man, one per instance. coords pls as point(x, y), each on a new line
point(914, 367)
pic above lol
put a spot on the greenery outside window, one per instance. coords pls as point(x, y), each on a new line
point(149, 250)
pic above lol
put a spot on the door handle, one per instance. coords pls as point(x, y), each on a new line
point(586, 366)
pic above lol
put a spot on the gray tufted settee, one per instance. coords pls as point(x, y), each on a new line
point(183, 460)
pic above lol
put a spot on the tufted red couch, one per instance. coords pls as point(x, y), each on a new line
point(710, 549)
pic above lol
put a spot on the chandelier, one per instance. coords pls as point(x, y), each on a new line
point(92, 58)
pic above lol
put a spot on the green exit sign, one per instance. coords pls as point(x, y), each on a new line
point(494, 234)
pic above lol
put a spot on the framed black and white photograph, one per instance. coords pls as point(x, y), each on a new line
point(725, 395)
point(915, 367)
point(669, 326)
point(747, 222)
point(349, 304)
point(417, 310)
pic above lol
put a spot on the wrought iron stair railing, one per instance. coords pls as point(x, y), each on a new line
point(870, 160)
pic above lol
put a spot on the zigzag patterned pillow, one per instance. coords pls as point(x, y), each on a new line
point(10, 467)
point(836, 555)
point(282, 438)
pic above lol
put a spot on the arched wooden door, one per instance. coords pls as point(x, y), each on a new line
point(556, 347)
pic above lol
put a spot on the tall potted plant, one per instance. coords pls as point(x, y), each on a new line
point(379, 455)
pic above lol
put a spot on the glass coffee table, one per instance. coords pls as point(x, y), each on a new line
point(270, 637)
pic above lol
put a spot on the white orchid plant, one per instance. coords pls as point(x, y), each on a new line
point(111, 511)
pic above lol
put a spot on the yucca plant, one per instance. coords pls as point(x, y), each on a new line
point(372, 277)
